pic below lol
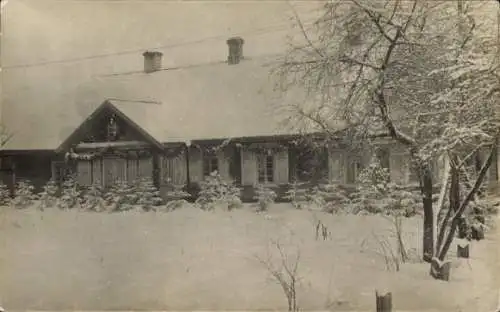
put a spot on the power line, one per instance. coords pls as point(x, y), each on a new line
point(175, 45)
point(188, 66)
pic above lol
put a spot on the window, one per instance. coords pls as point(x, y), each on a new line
point(353, 170)
point(383, 155)
point(210, 164)
point(265, 167)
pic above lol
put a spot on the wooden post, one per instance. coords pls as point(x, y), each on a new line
point(440, 269)
point(477, 232)
point(463, 252)
point(384, 302)
point(13, 191)
point(188, 174)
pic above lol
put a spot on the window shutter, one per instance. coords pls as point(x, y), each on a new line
point(132, 170)
point(146, 167)
point(174, 168)
point(120, 169)
point(248, 167)
point(336, 166)
point(84, 172)
point(281, 167)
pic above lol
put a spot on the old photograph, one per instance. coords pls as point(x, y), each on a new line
point(233, 155)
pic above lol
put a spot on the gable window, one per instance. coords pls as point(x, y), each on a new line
point(265, 167)
point(210, 164)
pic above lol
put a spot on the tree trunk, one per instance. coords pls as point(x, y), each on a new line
point(426, 188)
point(465, 203)
point(455, 200)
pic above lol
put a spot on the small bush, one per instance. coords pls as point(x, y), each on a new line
point(70, 195)
point(93, 198)
point(297, 195)
point(121, 197)
point(24, 195)
point(327, 197)
point(217, 192)
point(148, 195)
point(264, 196)
point(48, 197)
point(175, 192)
point(376, 194)
point(5, 198)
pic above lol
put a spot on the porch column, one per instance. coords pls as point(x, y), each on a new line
point(188, 174)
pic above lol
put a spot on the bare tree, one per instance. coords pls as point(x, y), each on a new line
point(285, 274)
point(385, 69)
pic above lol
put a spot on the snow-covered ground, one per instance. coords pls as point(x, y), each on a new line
point(195, 260)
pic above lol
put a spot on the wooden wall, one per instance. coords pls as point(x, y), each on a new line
point(107, 170)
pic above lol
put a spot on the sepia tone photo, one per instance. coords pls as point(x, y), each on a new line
point(232, 155)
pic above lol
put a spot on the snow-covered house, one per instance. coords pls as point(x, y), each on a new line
point(177, 125)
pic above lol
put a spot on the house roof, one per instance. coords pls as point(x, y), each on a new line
point(207, 102)
point(210, 101)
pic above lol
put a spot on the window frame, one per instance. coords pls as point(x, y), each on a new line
point(266, 167)
point(209, 160)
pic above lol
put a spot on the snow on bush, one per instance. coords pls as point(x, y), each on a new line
point(5, 198)
point(375, 193)
point(264, 196)
point(70, 195)
point(120, 197)
point(93, 198)
point(215, 192)
point(148, 196)
point(24, 194)
point(48, 197)
point(330, 197)
point(297, 194)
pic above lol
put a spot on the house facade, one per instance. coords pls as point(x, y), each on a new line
point(175, 126)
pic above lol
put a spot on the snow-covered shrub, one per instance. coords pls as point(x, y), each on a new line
point(121, 196)
point(375, 193)
point(175, 196)
point(148, 195)
point(296, 194)
point(264, 196)
point(48, 197)
point(24, 194)
point(5, 198)
point(215, 192)
point(93, 198)
point(70, 195)
point(327, 197)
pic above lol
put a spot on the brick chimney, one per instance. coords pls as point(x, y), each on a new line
point(235, 50)
point(152, 61)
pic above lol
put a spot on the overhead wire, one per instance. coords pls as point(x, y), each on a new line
point(162, 47)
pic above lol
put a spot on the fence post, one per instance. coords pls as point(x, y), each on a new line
point(440, 269)
point(463, 250)
point(384, 302)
